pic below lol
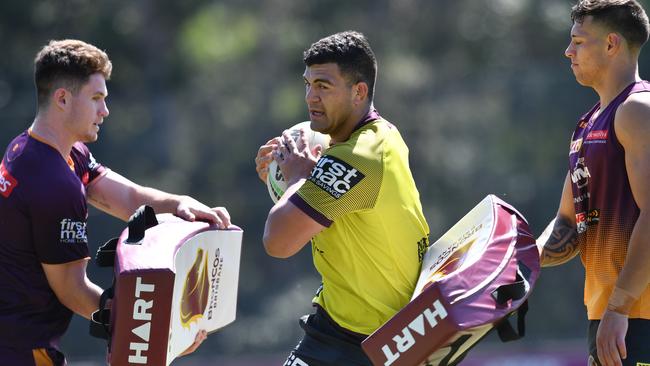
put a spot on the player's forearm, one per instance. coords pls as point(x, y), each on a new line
point(558, 243)
point(120, 197)
point(85, 299)
point(635, 275)
point(72, 287)
point(79, 295)
point(282, 240)
point(161, 202)
point(137, 196)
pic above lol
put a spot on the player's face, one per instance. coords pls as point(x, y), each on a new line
point(88, 109)
point(587, 51)
point(329, 99)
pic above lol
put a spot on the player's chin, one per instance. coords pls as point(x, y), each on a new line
point(91, 137)
point(580, 79)
point(319, 126)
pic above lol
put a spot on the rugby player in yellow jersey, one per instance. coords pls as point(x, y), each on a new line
point(357, 203)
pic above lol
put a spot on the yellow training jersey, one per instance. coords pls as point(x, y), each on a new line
point(369, 255)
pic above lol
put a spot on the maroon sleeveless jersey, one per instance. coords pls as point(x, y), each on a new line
point(604, 205)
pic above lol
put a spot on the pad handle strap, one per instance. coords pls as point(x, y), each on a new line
point(100, 320)
point(143, 218)
point(105, 256)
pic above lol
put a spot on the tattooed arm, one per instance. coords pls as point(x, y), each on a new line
point(559, 242)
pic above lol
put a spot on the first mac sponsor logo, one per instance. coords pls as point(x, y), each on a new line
point(7, 181)
point(73, 232)
point(335, 176)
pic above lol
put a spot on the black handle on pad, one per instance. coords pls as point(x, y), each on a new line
point(143, 218)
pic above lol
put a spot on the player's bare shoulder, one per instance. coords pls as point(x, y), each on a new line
point(632, 121)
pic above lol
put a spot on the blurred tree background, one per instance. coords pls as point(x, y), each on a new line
point(480, 90)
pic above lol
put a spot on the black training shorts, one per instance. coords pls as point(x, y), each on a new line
point(326, 344)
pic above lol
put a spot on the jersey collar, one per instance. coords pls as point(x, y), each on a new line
point(38, 138)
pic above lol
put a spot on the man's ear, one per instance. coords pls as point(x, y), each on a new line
point(360, 92)
point(61, 98)
point(614, 43)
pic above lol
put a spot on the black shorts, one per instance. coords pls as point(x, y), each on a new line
point(637, 342)
point(31, 357)
point(326, 344)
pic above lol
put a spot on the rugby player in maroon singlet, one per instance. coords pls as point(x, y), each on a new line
point(604, 212)
point(47, 177)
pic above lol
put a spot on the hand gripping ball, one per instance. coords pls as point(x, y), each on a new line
point(275, 181)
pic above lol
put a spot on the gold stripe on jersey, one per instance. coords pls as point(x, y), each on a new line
point(41, 358)
point(368, 258)
point(603, 249)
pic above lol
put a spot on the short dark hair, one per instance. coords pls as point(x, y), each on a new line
point(626, 17)
point(351, 51)
point(68, 63)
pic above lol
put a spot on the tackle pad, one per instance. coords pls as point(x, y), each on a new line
point(172, 278)
point(472, 280)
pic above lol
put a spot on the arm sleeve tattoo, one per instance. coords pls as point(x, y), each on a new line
point(560, 240)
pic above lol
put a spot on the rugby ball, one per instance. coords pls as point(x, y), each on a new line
point(275, 181)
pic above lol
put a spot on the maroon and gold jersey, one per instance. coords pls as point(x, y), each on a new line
point(606, 211)
point(43, 215)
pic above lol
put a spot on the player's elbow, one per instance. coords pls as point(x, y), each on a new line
point(275, 243)
point(275, 247)
point(284, 234)
point(272, 239)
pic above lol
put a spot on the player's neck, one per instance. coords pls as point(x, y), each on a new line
point(617, 79)
point(350, 124)
point(45, 130)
